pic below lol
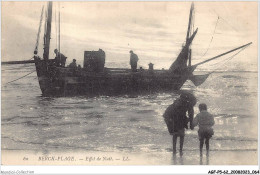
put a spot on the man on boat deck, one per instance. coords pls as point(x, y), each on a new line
point(60, 59)
point(73, 64)
point(133, 61)
point(176, 120)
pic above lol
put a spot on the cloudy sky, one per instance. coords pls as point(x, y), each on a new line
point(153, 30)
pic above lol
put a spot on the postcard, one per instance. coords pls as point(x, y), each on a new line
point(129, 83)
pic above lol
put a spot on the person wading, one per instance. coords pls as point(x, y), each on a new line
point(176, 119)
point(205, 120)
point(133, 61)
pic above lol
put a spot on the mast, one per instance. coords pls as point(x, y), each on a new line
point(189, 57)
point(181, 61)
point(59, 31)
point(184, 57)
point(190, 22)
point(189, 32)
point(48, 33)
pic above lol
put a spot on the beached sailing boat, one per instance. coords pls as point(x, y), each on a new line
point(63, 81)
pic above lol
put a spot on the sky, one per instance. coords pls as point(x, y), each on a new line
point(155, 31)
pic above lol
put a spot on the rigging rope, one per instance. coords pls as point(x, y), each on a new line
point(211, 39)
point(20, 77)
point(226, 22)
point(39, 32)
point(226, 60)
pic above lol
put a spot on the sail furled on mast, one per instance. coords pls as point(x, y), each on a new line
point(181, 62)
point(47, 35)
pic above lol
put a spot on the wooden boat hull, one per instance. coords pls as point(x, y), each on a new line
point(58, 81)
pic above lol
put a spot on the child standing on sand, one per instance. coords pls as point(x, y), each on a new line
point(205, 121)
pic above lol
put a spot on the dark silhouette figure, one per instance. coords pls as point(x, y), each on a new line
point(133, 61)
point(176, 119)
point(60, 59)
point(73, 64)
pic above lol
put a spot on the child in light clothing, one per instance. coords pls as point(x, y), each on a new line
point(205, 121)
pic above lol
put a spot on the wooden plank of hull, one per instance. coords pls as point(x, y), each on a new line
point(110, 85)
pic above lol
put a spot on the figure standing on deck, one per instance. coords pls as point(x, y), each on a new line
point(60, 59)
point(205, 121)
point(133, 61)
point(73, 64)
point(176, 119)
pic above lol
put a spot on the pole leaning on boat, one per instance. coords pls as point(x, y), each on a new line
point(210, 59)
point(47, 35)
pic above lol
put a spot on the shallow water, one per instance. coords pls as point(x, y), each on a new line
point(123, 124)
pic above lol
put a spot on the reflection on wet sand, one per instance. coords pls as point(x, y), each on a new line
point(207, 160)
point(179, 160)
point(185, 159)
